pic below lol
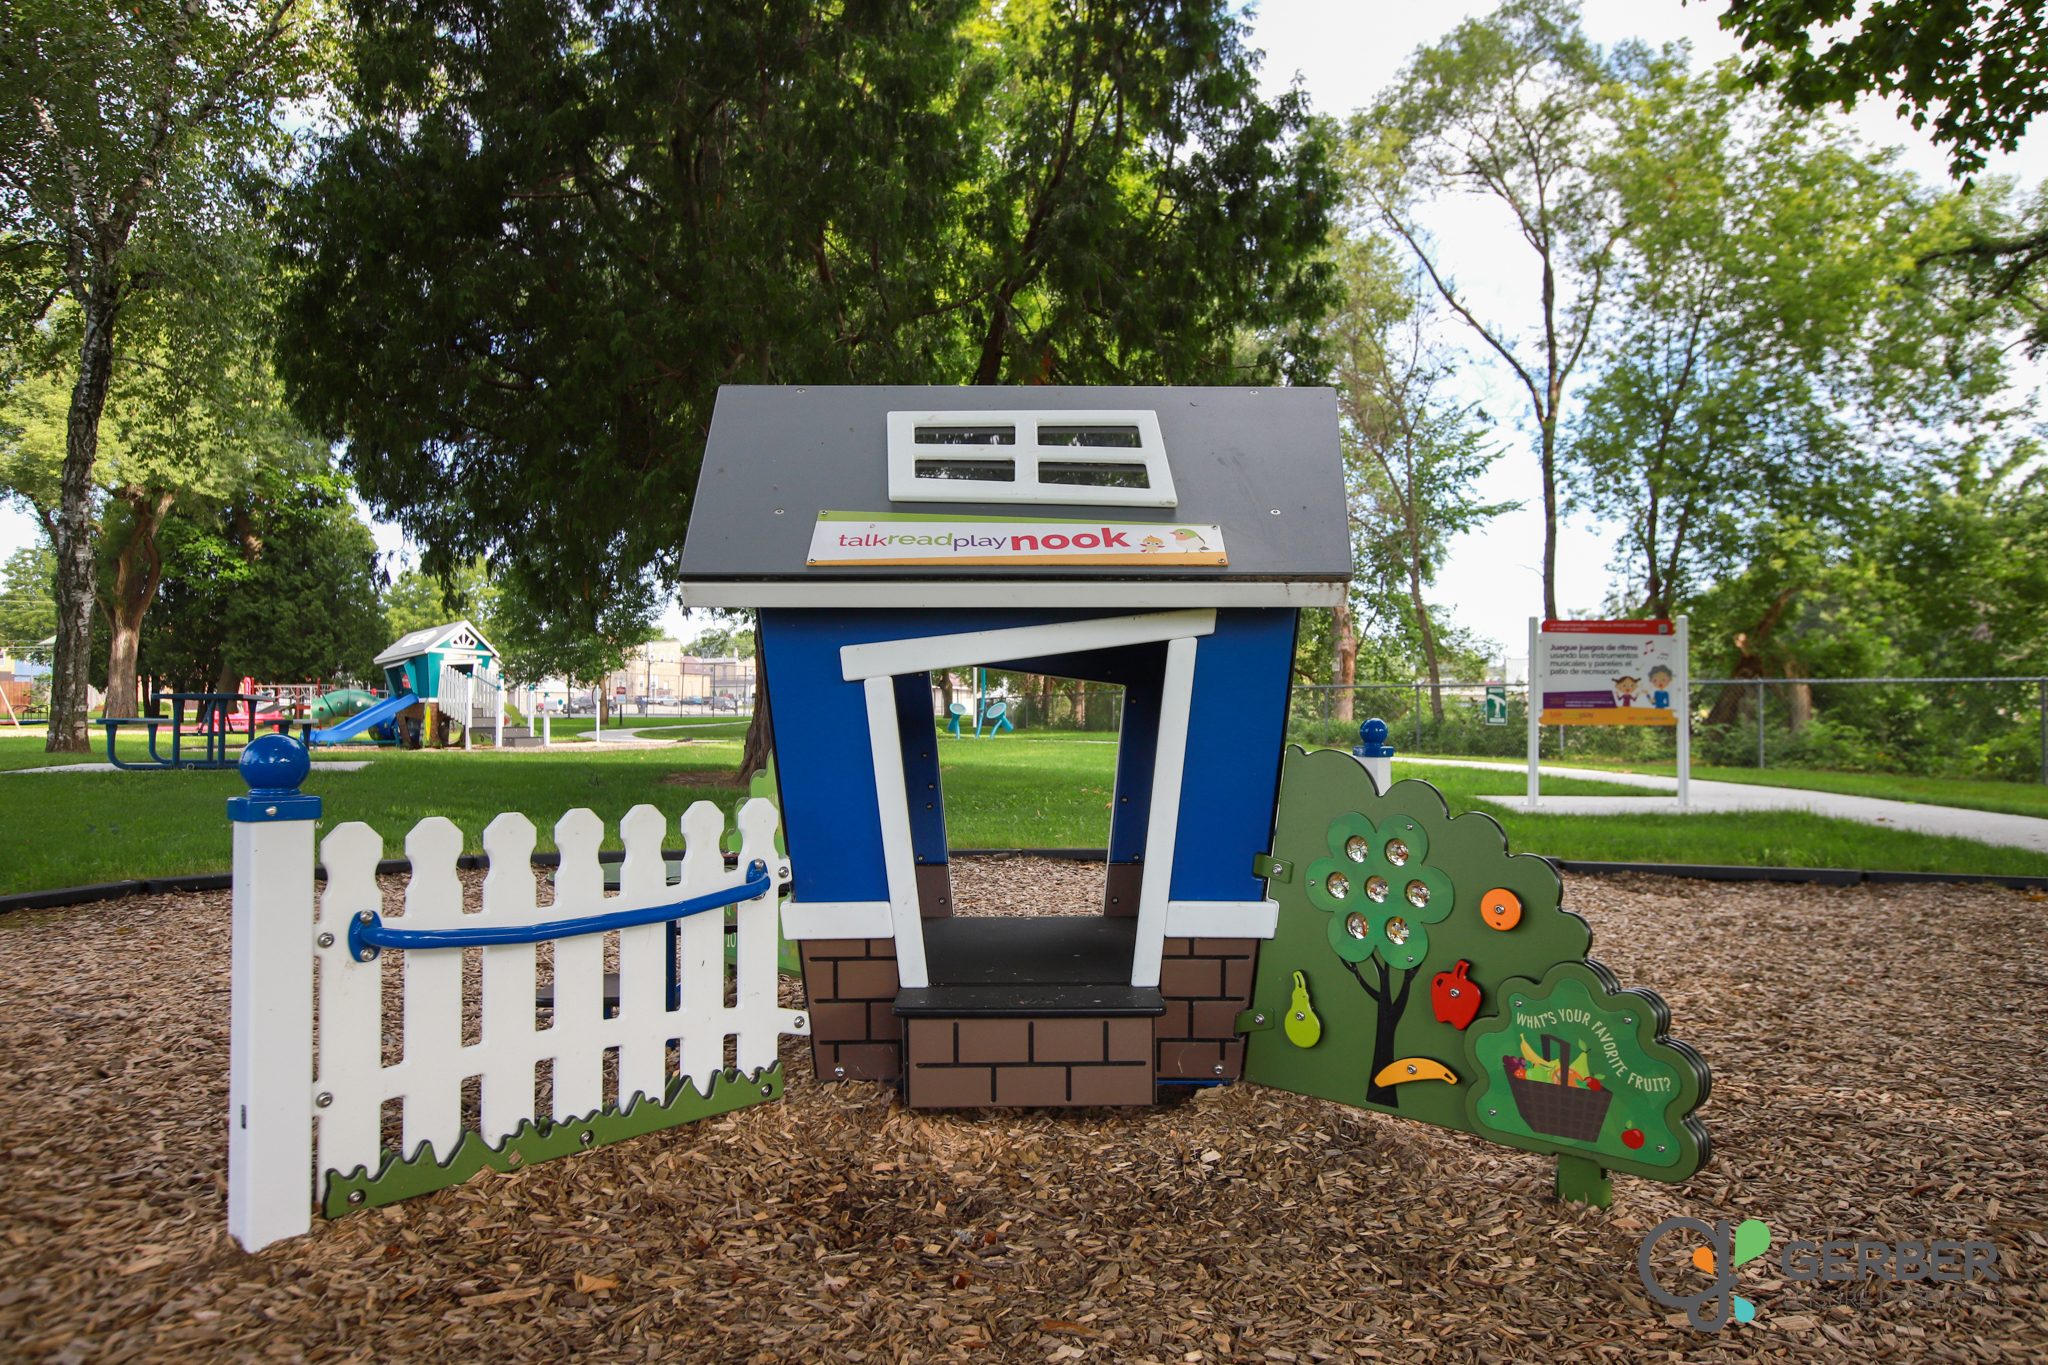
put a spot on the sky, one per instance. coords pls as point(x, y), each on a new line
point(1345, 52)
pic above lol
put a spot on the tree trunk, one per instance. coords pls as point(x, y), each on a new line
point(1388, 1007)
point(1428, 633)
point(1799, 696)
point(760, 743)
point(69, 701)
point(137, 574)
point(1733, 703)
point(1347, 661)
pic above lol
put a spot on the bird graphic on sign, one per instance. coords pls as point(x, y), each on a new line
point(1190, 541)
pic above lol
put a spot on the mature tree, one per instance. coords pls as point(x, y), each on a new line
point(1973, 73)
point(550, 230)
point(544, 241)
point(1759, 353)
point(1512, 109)
point(1138, 211)
point(1411, 454)
point(126, 133)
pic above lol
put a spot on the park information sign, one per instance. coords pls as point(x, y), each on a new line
point(1610, 673)
point(872, 539)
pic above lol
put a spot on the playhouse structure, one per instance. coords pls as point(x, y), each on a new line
point(1293, 919)
point(414, 661)
point(1159, 540)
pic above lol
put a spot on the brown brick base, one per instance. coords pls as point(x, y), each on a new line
point(963, 1063)
point(851, 987)
point(1206, 982)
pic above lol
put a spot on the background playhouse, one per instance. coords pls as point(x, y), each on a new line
point(433, 676)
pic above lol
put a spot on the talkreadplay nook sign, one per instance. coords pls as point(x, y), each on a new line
point(862, 539)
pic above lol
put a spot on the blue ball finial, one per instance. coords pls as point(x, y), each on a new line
point(274, 765)
point(1372, 740)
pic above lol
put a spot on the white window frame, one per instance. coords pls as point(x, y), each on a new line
point(904, 452)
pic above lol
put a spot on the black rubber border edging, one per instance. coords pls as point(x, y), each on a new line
point(1823, 876)
point(1708, 872)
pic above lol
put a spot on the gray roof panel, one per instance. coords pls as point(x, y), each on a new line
point(1263, 464)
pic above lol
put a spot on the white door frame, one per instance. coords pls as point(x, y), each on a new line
point(874, 665)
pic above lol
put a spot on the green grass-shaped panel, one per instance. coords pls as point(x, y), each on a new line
point(401, 1178)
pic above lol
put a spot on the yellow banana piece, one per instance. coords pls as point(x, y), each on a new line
point(1302, 1027)
point(1414, 1069)
point(1532, 1054)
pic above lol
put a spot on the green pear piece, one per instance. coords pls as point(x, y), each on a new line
point(1302, 1026)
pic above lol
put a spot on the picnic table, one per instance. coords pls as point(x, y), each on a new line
point(214, 717)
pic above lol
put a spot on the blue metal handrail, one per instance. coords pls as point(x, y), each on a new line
point(367, 934)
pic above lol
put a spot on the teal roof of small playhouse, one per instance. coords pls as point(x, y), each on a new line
point(457, 637)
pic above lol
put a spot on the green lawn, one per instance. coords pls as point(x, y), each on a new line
point(2008, 798)
point(1050, 790)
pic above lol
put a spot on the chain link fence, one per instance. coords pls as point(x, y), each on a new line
point(1995, 728)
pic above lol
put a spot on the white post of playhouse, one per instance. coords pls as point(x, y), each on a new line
point(270, 1029)
point(498, 723)
point(547, 729)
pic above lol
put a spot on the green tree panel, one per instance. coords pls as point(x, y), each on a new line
point(403, 1178)
point(1385, 896)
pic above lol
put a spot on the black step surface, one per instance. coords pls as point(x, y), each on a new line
point(1048, 965)
point(1038, 950)
point(1011, 1001)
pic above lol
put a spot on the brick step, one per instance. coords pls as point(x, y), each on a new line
point(958, 1063)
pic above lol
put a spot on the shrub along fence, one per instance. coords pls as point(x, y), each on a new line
point(1989, 727)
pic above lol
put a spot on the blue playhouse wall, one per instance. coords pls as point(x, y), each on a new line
point(1236, 728)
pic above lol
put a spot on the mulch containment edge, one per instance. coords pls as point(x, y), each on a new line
point(1706, 872)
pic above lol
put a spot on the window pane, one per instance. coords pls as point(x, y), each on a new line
point(966, 436)
point(1092, 475)
point(1117, 438)
point(981, 471)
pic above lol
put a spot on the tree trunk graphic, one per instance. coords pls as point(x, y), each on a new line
point(1392, 1005)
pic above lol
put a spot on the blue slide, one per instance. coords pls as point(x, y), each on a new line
point(380, 714)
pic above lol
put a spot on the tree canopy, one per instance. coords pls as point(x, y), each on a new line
point(1971, 73)
point(548, 231)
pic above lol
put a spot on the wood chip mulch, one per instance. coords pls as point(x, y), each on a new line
point(1878, 1056)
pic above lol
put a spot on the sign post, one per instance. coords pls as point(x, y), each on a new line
point(1610, 673)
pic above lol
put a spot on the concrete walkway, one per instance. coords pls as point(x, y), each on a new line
point(1988, 827)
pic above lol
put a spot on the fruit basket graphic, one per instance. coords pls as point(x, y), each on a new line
point(1554, 1106)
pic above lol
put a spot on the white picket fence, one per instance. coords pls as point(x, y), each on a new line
point(473, 699)
point(272, 1159)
